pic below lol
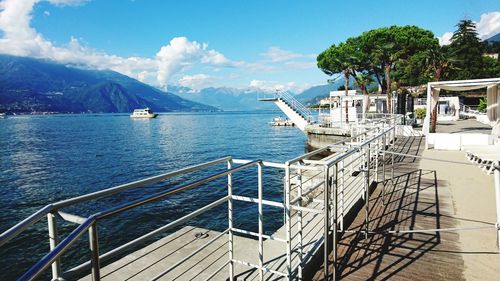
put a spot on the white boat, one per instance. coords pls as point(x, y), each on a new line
point(279, 121)
point(143, 113)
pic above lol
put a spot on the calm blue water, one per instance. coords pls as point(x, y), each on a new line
point(44, 159)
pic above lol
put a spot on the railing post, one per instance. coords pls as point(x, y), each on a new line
point(335, 221)
point(496, 175)
point(288, 224)
point(367, 190)
point(384, 139)
point(53, 241)
point(377, 153)
point(341, 183)
point(261, 223)
point(392, 163)
point(230, 219)
point(94, 249)
point(299, 223)
point(326, 222)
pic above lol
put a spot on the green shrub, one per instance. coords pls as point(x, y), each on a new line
point(420, 112)
point(482, 105)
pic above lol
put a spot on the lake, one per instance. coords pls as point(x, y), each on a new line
point(44, 159)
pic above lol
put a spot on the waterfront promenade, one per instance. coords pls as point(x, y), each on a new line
point(427, 195)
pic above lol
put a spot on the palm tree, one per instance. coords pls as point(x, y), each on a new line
point(439, 60)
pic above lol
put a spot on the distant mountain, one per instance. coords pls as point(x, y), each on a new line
point(314, 94)
point(309, 96)
point(33, 85)
point(228, 99)
point(494, 38)
point(232, 99)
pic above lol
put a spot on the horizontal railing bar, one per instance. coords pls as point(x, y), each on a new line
point(12, 232)
point(355, 149)
point(106, 256)
point(306, 192)
point(163, 194)
point(190, 255)
point(49, 258)
point(256, 200)
point(307, 155)
point(37, 216)
point(123, 187)
point(270, 237)
point(258, 267)
point(306, 167)
point(71, 218)
point(304, 209)
point(265, 163)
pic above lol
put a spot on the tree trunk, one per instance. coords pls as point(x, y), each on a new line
point(366, 99)
point(346, 85)
point(437, 77)
point(388, 87)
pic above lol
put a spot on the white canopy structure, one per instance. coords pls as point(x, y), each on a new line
point(492, 98)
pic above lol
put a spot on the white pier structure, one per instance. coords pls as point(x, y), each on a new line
point(293, 109)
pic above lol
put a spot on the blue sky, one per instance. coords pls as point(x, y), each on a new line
point(216, 43)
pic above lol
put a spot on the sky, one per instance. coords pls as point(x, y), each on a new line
point(214, 43)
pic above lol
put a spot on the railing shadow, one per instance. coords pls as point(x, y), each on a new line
point(411, 201)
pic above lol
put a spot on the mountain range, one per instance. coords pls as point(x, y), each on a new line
point(247, 99)
point(32, 85)
point(494, 38)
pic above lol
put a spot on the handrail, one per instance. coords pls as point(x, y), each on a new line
point(355, 149)
point(12, 232)
point(123, 187)
point(48, 259)
point(295, 104)
point(315, 152)
point(159, 195)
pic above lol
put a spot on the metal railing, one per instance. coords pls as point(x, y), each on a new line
point(315, 191)
point(301, 109)
point(347, 176)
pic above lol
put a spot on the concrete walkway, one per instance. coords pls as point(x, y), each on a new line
point(463, 126)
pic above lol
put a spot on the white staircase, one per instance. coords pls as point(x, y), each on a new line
point(294, 110)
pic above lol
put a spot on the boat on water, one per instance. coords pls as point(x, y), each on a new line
point(143, 113)
point(3, 115)
point(280, 121)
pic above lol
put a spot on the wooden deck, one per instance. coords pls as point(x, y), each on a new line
point(416, 200)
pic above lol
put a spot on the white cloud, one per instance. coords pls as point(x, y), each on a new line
point(445, 38)
point(67, 2)
point(20, 39)
point(276, 54)
point(177, 55)
point(197, 81)
point(488, 25)
point(271, 86)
